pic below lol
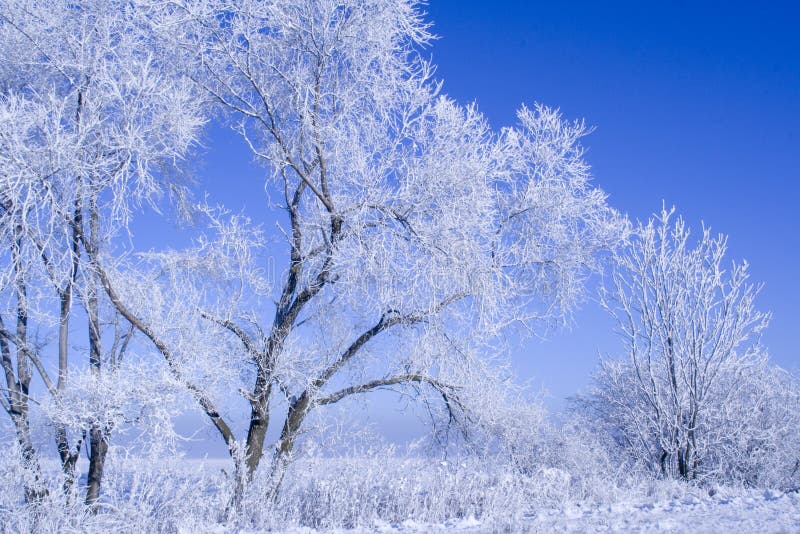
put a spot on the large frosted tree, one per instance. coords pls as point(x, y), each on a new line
point(413, 232)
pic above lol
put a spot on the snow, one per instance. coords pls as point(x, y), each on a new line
point(762, 512)
point(656, 506)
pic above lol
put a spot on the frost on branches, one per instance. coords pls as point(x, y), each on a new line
point(413, 234)
point(92, 119)
point(411, 238)
point(694, 397)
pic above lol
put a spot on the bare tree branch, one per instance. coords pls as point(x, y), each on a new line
point(445, 390)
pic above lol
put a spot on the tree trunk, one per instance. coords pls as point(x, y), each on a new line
point(97, 458)
point(69, 459)
point(662, 460)
point(259, 423)
point(98, 440)
point(256, 433)
point(291, 429)
point(682, 467)
point(35, 490)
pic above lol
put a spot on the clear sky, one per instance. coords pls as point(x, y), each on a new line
point(694, 103)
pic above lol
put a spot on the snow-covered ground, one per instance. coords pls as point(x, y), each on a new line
point(762, 512)
point(331, 493)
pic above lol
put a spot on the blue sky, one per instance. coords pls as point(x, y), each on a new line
point(694, 103)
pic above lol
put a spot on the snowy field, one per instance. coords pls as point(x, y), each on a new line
point(413, 495)
point(741, 512)
point(764, 511)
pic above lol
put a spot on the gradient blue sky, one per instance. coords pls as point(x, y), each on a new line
point(694, 103)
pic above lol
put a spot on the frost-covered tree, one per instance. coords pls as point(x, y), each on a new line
point(758, 432)
point(692, 396)
point(92, 121)
point(414, 234)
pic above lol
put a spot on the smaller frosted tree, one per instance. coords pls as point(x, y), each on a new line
point(691, 333)
point(93, 120)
